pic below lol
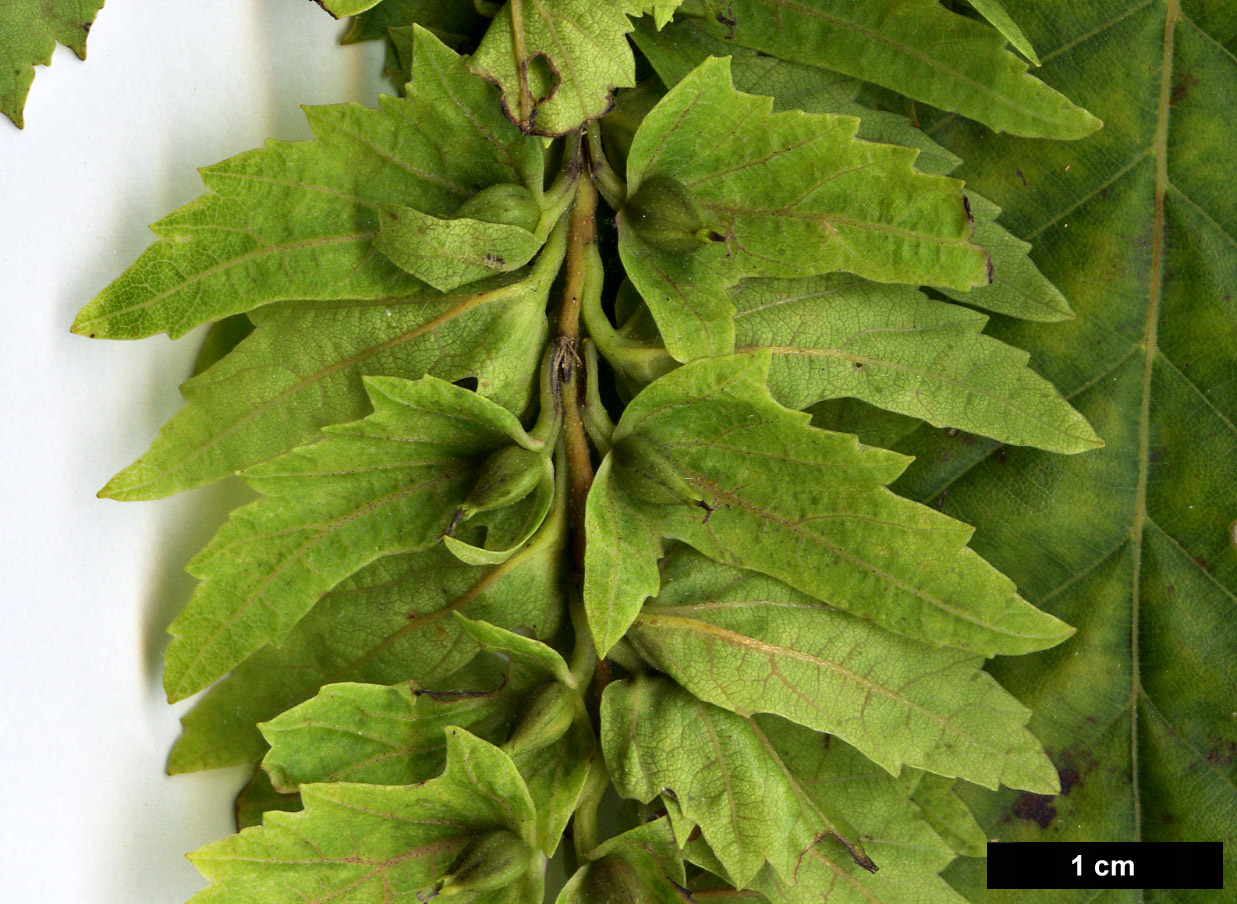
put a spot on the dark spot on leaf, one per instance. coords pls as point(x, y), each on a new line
point(729, 21)
point(940, 500)
point(999, 455)
point(493, 260)
point(968, 440)
point(1036, 808)
point(966, 204)
point(1182, 84)
point(1222, 752)
point(1022, 177)
point(1167, 818)
point(1069, 778)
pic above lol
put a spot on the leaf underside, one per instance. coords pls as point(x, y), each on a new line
point(1133, 544)
point(29, 33)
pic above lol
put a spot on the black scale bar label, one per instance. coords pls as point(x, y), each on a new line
point(1104, 864)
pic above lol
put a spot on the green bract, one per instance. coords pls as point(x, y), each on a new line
point(618, 447)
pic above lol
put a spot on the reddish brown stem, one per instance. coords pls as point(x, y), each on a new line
point(582, 232)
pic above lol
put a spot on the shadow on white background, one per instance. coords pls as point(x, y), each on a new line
point(88, 586)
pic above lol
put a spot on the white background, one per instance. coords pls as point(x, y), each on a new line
point(87, 586)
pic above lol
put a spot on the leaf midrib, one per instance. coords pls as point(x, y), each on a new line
point(1150, 341)
point(765, 514)
point(771, 652)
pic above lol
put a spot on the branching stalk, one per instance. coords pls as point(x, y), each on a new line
point(609, 183)
point(596, 419)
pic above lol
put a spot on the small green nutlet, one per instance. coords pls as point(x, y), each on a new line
point(508, 204)
point(664, 214)
point(487, 862)
point(507, 476)
point(611, 880)
point(548, 715)
point(649, 475)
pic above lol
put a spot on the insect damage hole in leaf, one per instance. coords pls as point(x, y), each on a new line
point(595, 387)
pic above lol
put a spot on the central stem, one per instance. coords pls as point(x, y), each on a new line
point(581, 235)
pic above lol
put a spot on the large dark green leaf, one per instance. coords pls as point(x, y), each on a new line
point(1134, 544)
point(915, 47)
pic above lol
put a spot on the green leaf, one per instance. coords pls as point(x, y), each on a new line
point(782, 194)
point(296, 221)
point(532, 654)
point(641, 864)
point(907, 850)
point(1017, 289)
point(303, 367)
point(556, 774)
point(620, 569)
point(1134, 543)
point(447, 253)
point(364, 843)
point(753, 645)
point(659, 739)
point(998, 18)
point(507, 529)
point(914, 47)
point(839, 336)
point(443, 17)
point(381, 735)
point(661, 10)
point(342, 8)
point(817, 501)
point(370, 488)
point(259, 797)
point(651, 850)
point(939, 804)
point(393, 735)
point(29, 33)
point(556, 61)
point(389, 622)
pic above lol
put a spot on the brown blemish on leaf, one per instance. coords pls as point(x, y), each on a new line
point(1036, 808)
point(999, 455)
point(1069, 778)
point(1183, 83)
point(1222, 752)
